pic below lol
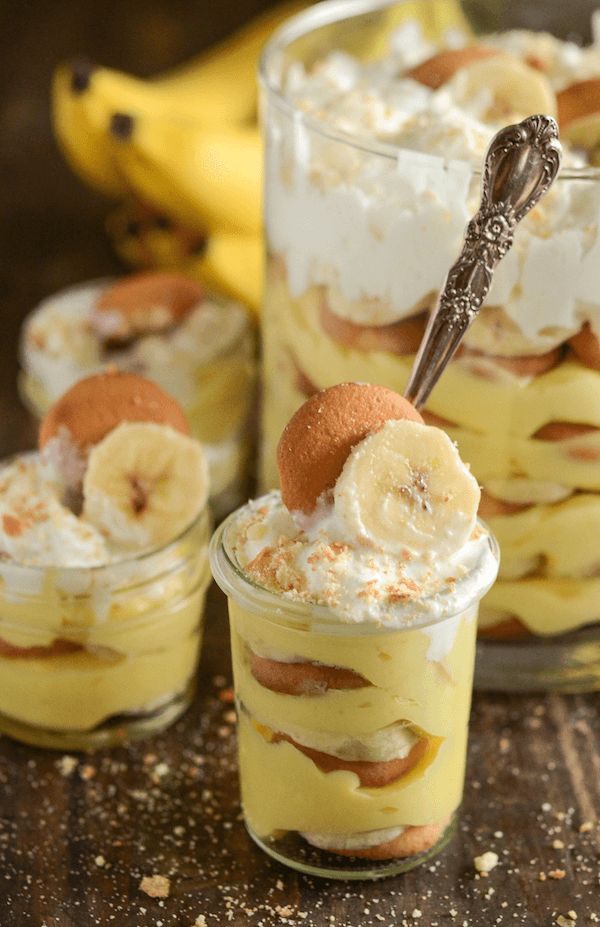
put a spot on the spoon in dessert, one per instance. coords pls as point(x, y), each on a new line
point(521, 165)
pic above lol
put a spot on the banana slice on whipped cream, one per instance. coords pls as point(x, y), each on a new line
point(406, 488)
point(142, 483)
point(502, 88)
point(363, 455)
point(119, 447)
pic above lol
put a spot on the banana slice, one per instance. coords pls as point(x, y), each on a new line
point(494, 332)
point(144, 484)
point(405, 487)
point(502, 88)
point(523, 491)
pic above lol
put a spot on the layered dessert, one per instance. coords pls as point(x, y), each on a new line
point(103, 567)
point(162, 325)
point(353, 598)
point(372, 174)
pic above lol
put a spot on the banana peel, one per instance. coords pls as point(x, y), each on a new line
point(143, 237)
point(218, 88)
point(229, 262)
point(202, 179)
point(233, 264)
point(184, 144)
point(222, 80)
point(80, 124)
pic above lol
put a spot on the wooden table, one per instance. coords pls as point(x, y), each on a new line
point(77, 835)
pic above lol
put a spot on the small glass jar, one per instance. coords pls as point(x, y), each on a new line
point(99, 656)
point(215, 387)
point(339, 821)
point(360, 234)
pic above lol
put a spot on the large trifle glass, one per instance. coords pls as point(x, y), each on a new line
point(375, 117)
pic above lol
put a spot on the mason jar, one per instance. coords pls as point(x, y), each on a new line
point(208, 368)
point(360, 235)
point(99, 656)
point(304, 802)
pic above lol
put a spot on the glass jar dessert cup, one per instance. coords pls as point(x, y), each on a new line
point(356, 225)
point(99, 656)
point(214, 387)
point(418, 677)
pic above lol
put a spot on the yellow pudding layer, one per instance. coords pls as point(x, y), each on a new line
point(548, 565)
point(140, 636)
point(431, 696)
point(78, 691)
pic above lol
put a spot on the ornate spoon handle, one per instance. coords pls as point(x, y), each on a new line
point(520, 166)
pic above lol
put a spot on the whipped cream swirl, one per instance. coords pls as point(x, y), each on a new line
point(324, 565)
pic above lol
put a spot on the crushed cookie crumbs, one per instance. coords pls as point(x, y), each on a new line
point(67, 765)
point(156, 886)
point(486, 862)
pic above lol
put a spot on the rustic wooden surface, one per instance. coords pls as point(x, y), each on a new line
point(77, 835)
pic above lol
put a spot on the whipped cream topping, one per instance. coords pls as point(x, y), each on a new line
point(322, 564)
point(36, 529)
point(386, 227)
point(59, 346)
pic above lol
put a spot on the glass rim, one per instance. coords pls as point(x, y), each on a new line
point(96, 569)
point(332, 11)
point(225, 566)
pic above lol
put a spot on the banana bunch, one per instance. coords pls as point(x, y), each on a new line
point(182, 155)
point(181, 152)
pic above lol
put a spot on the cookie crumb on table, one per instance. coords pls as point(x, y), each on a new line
point(486, 862)
point(156, 886)
point(67, 765)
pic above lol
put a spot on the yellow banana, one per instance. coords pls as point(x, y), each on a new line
point(233, 264)
point(226, 261)
point(222, 81)
point(143, 237)
point(202, 179)
point(80, 122)
point(217, 88)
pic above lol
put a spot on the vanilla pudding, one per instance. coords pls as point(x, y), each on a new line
point(373, 150)
point(103, 568)
point(353, 600)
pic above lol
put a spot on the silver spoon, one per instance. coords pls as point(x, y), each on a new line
point(520, 167)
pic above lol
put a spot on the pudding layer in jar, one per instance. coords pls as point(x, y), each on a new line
point(197, 346)
point(104, 568)
point(353, 607)
point(370, 183)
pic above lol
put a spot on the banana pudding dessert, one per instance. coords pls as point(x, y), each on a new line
point(162, 325)
point(373, 161)
point(103, 568)
point(353, 597)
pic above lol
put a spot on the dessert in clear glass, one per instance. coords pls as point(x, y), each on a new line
point(196, 345)
point(353, 598)
point(103, 568)
point(377, 116)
